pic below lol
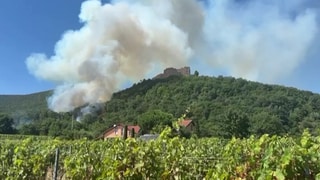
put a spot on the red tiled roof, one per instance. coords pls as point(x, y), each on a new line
point(185, 122)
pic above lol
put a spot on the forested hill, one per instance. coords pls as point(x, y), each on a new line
point(221, 106)
point(10, 104)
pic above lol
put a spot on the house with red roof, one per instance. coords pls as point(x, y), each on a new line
point(188, 124)
point(117, 131)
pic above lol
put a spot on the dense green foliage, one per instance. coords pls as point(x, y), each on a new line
point(267, 157)
point(22, 108)
point(219, 106)
point(24, 103)
point(6, 125)
point(154, 121)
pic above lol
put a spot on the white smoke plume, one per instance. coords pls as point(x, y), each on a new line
point(259, 40)
point(91, 109)
point(121, 40)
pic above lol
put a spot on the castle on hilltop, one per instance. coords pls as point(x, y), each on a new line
point(185, 71)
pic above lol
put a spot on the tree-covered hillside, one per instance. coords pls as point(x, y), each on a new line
point(219, 106)
point(21, 109)
point(32, 102)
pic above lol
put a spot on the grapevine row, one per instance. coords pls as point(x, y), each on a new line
point(266, 157)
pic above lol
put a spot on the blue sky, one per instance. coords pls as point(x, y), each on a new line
point(35, 26)
point(27, 27)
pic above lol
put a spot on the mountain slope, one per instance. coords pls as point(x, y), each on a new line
point(24, 103)
point(220, 104)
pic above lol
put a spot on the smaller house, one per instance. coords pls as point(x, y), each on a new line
point(188, 124)
point(117, 131)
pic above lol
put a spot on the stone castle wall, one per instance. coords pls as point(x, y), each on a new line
point(185, 71)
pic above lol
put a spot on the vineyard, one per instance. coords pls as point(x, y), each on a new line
point(266, 157)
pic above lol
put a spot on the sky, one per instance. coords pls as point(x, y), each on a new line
point(35, 26)
point(27, 27)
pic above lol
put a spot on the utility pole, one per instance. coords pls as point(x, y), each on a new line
point(72, 119)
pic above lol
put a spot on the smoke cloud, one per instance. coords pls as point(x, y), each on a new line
point(125, 40)
point(259, 40)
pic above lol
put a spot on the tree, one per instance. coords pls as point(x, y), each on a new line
point(29, 129)
point(196, 73)
point(154, 120)
point(233, 123)
point(310, 122)
point(265, 123)
point(6, 125)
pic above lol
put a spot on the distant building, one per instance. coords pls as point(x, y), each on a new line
point(117, 131)
point(147, 137)
point(187, 123)
point(185, 71)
